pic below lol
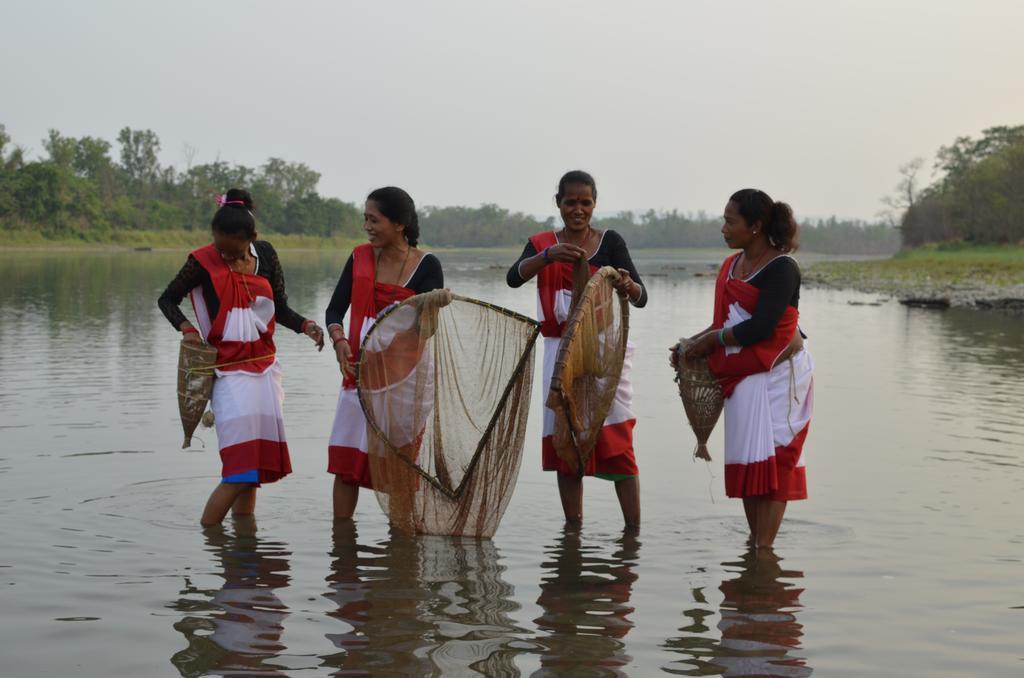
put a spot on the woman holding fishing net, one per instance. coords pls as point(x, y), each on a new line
point(755, 350)
point(237, 290)
point(557, 258)
point(385, 271)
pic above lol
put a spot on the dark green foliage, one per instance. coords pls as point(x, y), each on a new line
point(674, 229)
point(484, 226)
point(79, 191)
point(980, 196)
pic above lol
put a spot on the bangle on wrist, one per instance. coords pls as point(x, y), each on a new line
point(335, 342)
point(545, 254)
point(721, 336)
point(305, 324)
point(190, 330)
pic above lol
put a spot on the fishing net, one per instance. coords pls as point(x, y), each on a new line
point(701, 395)
point(444, 381)
point(195, 384)
point(588, 366)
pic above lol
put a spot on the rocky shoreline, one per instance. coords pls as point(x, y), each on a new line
point(939, 290)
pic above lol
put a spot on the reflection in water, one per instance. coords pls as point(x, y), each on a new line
point(758, 625)
point(585, 596)
point(236, 629)
point(420, 606)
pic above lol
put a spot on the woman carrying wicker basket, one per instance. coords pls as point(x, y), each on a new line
point(756, 350)
point(550, 256)
point(237, 290)
point(386, 270)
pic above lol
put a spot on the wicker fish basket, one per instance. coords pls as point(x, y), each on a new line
point(195, 384)
point(701, 395)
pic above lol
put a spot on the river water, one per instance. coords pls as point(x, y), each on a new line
point(905, 561)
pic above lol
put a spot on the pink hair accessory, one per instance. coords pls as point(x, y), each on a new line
point(223, 200)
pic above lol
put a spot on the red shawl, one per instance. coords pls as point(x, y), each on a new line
point(369, 298)
point(760, 357)
point(556, 276)
point(246, 305)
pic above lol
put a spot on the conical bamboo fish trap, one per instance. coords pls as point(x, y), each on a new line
point(701, 395)
point(195, 384)
point(588, 367)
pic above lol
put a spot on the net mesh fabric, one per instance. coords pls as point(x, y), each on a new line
point(701, 395)
point(445, 381)
point(588, 365)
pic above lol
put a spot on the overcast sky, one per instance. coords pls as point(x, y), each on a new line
point(669, 104)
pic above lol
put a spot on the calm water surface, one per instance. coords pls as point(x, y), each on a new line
point(906, 560)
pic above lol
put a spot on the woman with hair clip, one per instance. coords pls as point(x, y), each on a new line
point(237, 289)
point(756, 350)
point(386, 270)
point(550, 257)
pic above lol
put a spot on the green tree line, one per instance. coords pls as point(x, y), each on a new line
point(978, 196)
point(78, 189)
point(493, 226)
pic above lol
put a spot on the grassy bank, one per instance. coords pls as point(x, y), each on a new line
point(956, 264)
point(965, 275)
point(182, 239)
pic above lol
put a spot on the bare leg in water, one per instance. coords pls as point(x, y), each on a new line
point(221, 500)
point(570, 489)
point(628, 491)
point(764, 516)
point(245, 502)
point(769, 519)
point(750, 510)
point(346, 496)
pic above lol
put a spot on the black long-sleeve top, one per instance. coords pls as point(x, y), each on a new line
point(779, 283)
point(612, 251)
point(193, 275)
point(427, 276)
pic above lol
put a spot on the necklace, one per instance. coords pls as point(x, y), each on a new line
point(398, 281)
point(245, 282)
point(563, 238)
point(750, 269)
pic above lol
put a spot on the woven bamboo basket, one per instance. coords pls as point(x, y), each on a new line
point(701, 395)
point(195, 384)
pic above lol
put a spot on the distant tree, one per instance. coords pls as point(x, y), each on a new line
point(60, 149)
point(955, 160)
point(979, 196)
point(905, 194)
point(139, 149)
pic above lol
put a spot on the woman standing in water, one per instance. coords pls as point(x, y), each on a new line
point(386, 270)
point(237, 290)
point(756, 351)
point(550, 256)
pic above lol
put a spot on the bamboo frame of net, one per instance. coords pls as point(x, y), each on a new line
point(582, 440)
point(524, 360)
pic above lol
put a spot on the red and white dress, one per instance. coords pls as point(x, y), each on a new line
point(613, 456)
point(347, 450)
point(767, 409)
point(247, 393)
